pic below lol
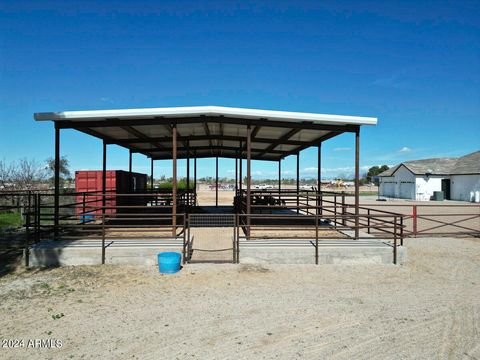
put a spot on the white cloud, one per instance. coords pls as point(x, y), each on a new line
point(310, 170)
point(405, 149)
point(342, 149)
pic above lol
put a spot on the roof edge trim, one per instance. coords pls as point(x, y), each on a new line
point(197, 111)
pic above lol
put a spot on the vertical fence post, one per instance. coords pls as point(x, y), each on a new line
point(401, 230)
point(308, 210)
point(27, 230)
point(37, 217)
point(234, 245)
point(414, 219)
point(343, 209)
point(188, 240)
point(83, 210)
point(56, 199)
point(298, 182)
point(368, 220)
point(185, 238)
point(395, 240)
point(238, 237)
point(316, 239)
point(103, 238)
point(104, 199)
point(335, 210)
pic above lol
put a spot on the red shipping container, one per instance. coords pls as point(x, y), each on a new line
point(117, 182)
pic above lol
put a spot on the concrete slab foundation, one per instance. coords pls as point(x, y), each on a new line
point(143, 252)
point(348, 252)
point(89, 252)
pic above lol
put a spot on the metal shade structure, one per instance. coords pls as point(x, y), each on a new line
point(208, 132)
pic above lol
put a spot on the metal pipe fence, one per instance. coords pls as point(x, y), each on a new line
point(314, 228)
point(149, 215)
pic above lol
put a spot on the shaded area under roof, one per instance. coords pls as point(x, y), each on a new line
point(208, 131)
point(465, 165)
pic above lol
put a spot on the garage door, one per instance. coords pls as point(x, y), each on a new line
point(407, 190)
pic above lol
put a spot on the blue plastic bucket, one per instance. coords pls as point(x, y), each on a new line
point(169, 262)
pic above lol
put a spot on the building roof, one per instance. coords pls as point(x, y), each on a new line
point(208, 131)
point(196, 111)
point(468, 164)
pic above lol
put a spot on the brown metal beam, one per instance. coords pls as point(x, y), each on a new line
point(209, 156)
point(207, 131)
point(240, 170)
point(104, 197)
point(236, 175)
point(130, 158)
point(217, 147)
point(141, 135)
point(220, 140)
point(249, 178)
point(279, 176)
point(274, 144)
point(188, 169)
point(357, 182)
point(255, 132)
point(108, 140)
point(216, 181)
point(174, 180)
point(319, 179)
point(115, 122)
point(195, 171)
point(151, 175)
point(170, 129)
point(298, 183)
point(313, 143)
point(168, 139)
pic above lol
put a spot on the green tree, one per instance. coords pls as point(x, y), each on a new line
point(376, 170)
point(64, 169)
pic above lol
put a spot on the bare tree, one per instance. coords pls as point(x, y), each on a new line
point(28, 174)
point(6, 175)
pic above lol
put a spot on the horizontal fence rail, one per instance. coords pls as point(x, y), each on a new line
point(315, 228)
point(274, 214)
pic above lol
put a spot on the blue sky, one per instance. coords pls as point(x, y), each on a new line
point(414, 65)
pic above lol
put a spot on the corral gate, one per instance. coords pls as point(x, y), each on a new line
point(211, 238)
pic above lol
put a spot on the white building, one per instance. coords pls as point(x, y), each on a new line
point(458, 178)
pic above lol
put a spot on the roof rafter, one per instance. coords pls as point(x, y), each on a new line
point(141, 135)
point(287, 136)
point(217, 147)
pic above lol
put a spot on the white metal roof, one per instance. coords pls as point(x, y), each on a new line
point(193, 111)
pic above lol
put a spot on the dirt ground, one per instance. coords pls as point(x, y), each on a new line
point(426, 309)
point(207, 197)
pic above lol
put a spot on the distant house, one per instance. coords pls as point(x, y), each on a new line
point(418, 179)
